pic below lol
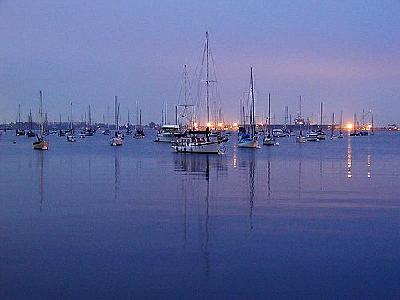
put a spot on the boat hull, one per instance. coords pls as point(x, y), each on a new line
point(116, 142)
point(161, 138)
point(41, 145)
point(71, 138)
point(250, 144)
point(209, 147)
point(301, 139)
point(269, 142)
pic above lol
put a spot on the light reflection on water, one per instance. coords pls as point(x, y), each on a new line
point(96, 221)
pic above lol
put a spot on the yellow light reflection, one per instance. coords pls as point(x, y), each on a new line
point(349, 160)
point(369, 161)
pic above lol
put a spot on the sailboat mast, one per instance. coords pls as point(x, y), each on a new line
point(321, 108)
point(118, 116)
point(176, 114)
point(185, 82)
point(300, 107)
point(269, 111)
point(71, 122)
point(41, 113)
point(19, 117)
point(355, 123)
point(341, 121)
point(30, 120)
point(372, 122)
point(333, 124)
point(252, 117)
point(286, 116)
point(207, 79)
point(137, 113)
point(140, 119)
point(108, 116)
point(115, 113)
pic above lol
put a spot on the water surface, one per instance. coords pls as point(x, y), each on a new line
point(86, 220)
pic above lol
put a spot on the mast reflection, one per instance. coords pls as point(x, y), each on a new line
point(369, 160)
point(299, 187)
point(269, 179)
point(369, 163)
point(252, 166)
point(193, 166)
point(349, 158)
point(116, 174)
point(41, 184)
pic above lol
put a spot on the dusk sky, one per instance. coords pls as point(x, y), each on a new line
point(344, 53)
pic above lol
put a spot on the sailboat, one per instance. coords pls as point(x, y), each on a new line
point(372, 125)
point(71, 136)
point(300, 121)
point(19, 131)
point(250, 140)
point(60, 131)
point(269, 139)
point(363, 131)
point(128, 126)
point(106, 130)
point(355, 131)
point(30, 132)
point(333, 126)
point(89, 130)
point(340, 135)
point(202, 141)
point(41, 143)
point(117, 139)
point(320, 133)
point(197, 141)
point(139, 134)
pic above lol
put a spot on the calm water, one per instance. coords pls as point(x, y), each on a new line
point(86, 220)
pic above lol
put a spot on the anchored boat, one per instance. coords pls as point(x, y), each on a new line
point(198, 142)
point(41, 143)
point(250, 140)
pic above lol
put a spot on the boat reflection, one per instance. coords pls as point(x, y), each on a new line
point(269, 179)
point(252, 167)
point(41, 158)
point(116, 174)
point(369, 160)
point(200, 165)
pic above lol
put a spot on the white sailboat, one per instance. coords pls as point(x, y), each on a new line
point(198, 142)
point(201, 141)
point(116, 140)
point(41, 143)
point(269, 139)
point(301, 139)
point(333, 126)
point(139, 134)
point(250, 140)
point(19, 131)
point(71, 135)
point(320, 133)
point(340, 135)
